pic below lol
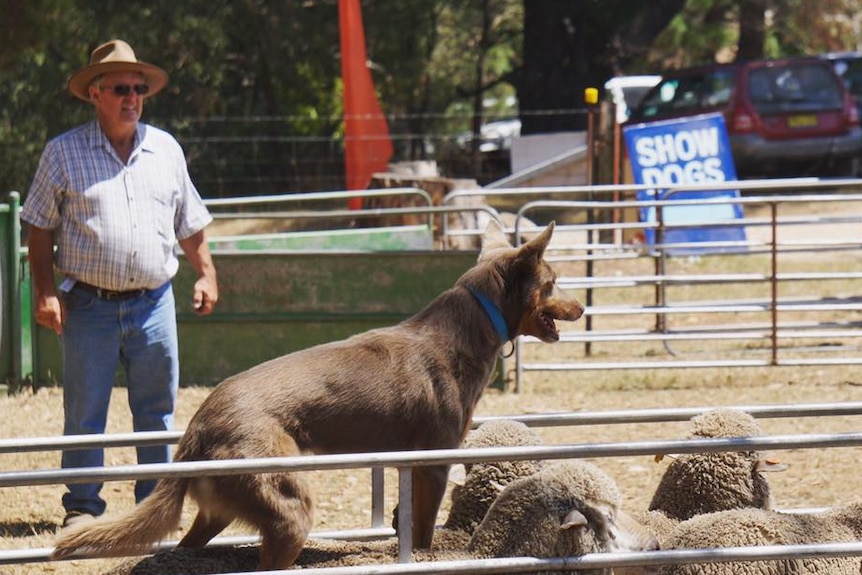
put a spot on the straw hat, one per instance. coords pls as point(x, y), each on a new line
point(115, 56)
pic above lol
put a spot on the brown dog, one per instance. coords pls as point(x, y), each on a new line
point(410, 386)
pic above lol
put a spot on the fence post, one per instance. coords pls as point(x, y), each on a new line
point(591, 99)
point(405, 514)
point(14, 276)
point(773, 281)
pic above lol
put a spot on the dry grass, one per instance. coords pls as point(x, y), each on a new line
point(815, 477)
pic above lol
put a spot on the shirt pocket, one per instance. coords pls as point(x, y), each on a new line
point(164, 211)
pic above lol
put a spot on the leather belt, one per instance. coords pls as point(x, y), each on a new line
point(110, 295)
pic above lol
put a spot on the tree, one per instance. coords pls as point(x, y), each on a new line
point(570, 46)
point(752, 29)
point(255, 90)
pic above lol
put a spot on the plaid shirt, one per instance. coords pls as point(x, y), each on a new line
point(115, 225)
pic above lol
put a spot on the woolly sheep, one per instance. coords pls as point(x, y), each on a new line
point(567, 508)
point(482, 483)
point(657, 523)
point(755, 527)
point(706, 482)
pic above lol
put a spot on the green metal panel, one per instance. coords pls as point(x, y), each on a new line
point(10, 296)
point(5, 290)
point(273, 303)
point(26, 321)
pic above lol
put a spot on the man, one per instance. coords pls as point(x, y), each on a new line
point(115, 196)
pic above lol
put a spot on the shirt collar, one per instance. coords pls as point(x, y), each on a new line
point(97, 137)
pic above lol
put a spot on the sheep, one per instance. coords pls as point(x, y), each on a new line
point(699, 483)
point(567, 508)
point(657, 523)
point(754, 527)
point(482, 483)
point(575, 507)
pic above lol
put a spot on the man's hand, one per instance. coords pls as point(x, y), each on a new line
point(197, 253)
point(49, 313)
point(205, 296)
point(49, 310)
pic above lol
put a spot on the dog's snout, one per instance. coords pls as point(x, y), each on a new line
point(579, 310)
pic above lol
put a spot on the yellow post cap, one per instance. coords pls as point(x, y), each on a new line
point(591, 96)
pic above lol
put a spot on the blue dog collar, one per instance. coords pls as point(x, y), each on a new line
point(494, 313)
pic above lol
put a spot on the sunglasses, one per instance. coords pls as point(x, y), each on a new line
point(123, 90)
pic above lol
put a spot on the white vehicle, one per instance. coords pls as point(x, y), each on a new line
point(625, 92)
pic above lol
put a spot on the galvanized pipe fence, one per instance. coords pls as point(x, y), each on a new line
point(606, 417)
point(589, 561)
point(762, 302)
point(18, 359)
point(404, 461)
point(592, 252)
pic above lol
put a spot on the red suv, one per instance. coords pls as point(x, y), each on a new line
point(787, 117)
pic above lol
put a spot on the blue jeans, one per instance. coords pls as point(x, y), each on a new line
point(141, 335)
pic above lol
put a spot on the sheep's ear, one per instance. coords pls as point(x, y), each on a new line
point(660, 456)
point(498, 486)
point(765, 464)
point(573, 520)
point(458, 474)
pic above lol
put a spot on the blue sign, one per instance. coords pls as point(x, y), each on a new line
point(693, 150)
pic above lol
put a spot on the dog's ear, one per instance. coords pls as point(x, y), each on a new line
point(536, 247)
point(494, 238)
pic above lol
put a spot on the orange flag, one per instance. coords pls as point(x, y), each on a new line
point(366, 134)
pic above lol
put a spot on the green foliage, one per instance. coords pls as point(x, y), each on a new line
point(255, 91)
point(697, 35)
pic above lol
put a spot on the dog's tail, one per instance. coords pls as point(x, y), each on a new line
point(131, 534)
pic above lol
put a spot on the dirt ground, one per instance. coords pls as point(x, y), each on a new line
point(29, 516)
point(815, 477)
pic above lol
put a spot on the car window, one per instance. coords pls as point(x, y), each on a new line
point(687, 94)
point(794, 87)
point(852, 76)
point(634, 94)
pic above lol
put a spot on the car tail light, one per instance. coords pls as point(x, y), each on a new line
point(741, 121)
point(853, 113)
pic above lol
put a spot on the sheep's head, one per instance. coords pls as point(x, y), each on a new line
point(476, 486)
point(699, 483)
point(568, 508)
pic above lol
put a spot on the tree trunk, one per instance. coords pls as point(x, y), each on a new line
point(752, 29)
point(554, 67)
point(573, 45)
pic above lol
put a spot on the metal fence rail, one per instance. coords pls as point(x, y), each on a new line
point(792, 286)
point(531, 565)
point(594, 238)
point(401, 459)
point(794, 312)
point(404, 461)
point(611, 417)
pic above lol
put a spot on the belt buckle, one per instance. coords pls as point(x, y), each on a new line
point(104, 294)
point(114, 295)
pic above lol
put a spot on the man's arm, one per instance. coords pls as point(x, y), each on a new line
point(206, 287)
point(49, 310)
